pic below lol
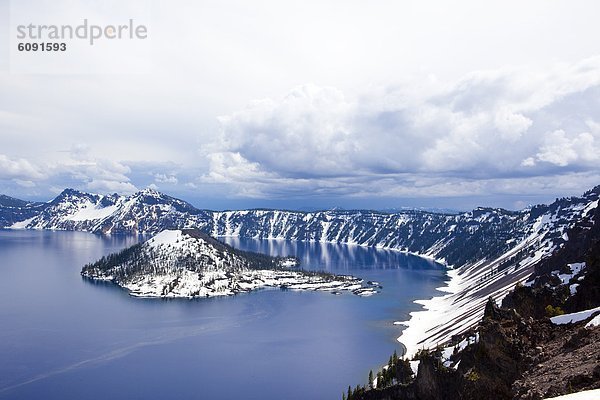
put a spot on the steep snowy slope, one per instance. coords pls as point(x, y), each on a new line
point(471, 284)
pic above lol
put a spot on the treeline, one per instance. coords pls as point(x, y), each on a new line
point(397, 371)
point(254, 260)
point(209, 255)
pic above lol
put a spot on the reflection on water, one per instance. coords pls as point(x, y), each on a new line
point(333, 257)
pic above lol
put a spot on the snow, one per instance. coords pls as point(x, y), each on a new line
point(573, 288)
point(574, 317)
point(594, 322)
point(166, 237)
point(414, 365)
point(222, 274)
point(421, 321)
point(585, 395)
point(575, 269)
point(183, 283)
point(92, 212)
point(289, 263)
point(448, 351)
point(22, 224)
point(469, 286)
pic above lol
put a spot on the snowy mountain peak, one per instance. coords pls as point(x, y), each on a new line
point(150, 192)
point(166, 238)
point(182, 240)
point(73, 194)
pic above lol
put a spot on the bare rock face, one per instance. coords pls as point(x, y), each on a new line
point(570, 362)
point(514, 358)
point(434, 381)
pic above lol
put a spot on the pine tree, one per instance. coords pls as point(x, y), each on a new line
point(395, 358)
point(349, 393)
point(371, 379)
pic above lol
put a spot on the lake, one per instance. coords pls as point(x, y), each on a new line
point(64, 337)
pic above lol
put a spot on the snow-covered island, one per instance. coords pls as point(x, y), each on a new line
point(189, 263)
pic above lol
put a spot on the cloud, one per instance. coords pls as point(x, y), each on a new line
point(490, 127)
point(296, 134)
point(105, 186)
point(18, 169)
point(25, 184)
point(511, 125)
point(163, 178)
point(78, 169)
point(562, 150)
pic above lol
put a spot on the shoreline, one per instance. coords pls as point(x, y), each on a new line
point(433, 309)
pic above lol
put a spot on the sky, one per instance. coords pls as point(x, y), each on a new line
point(312, 104)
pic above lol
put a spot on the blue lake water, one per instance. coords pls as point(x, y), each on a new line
point(62, 337)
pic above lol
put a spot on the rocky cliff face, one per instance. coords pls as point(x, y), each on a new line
point(517, 352)
point(513, 358)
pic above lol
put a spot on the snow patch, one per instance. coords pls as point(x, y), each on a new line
point(414, 365)
point(574, 317)
point(92, 212)
point(166, 237)
point(22, 224)
point(585, 395)
point(594, 322)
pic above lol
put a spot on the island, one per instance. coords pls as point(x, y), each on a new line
point(189, 263)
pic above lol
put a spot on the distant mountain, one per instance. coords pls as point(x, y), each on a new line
point(490, 249)
point(189, 263)
point(434, 210)
point(455, 239)
point(14, 210)
point(145, 212)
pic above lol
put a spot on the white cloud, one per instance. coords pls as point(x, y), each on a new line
point(18, 168)
point(25, 184)
point(489, 127)
point(78, 170)
point(298, 133)
point(164, 178)
point(511, 125)
point(105, 186)
point(528, 162)
point(562, 150)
